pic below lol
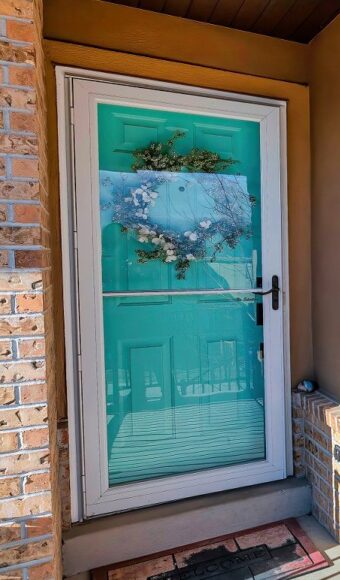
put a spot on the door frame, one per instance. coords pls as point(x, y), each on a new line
point(80, 496)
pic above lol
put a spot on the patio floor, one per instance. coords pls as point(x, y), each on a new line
point(319, 536)
point(281, 550)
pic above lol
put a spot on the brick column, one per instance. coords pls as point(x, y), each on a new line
point(29, 536)
point(316, 434)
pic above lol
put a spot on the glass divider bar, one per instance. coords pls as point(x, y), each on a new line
point(183, 292)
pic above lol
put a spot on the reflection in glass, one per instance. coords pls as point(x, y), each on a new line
point(198, 226)
point(187, 392)
point(184, 373)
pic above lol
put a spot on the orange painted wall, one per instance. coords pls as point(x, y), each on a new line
point(325, 135)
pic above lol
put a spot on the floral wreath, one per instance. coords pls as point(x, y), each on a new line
point(158, 164)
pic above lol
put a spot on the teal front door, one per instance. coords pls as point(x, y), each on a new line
point(184, 373)
point(181, 229)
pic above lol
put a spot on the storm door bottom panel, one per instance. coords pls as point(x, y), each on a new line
point(200, 436)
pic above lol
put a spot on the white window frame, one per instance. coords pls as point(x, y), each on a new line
point(90, 493)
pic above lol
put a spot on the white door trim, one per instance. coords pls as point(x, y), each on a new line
point(99, 498)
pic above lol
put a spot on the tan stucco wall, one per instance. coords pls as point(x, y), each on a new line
point(325, 133)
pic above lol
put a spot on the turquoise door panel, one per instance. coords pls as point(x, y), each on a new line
point(184, 373)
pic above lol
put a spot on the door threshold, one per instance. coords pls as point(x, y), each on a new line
point(135, 534)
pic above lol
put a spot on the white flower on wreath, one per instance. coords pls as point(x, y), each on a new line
point(191, 235)
point(140, 213)
point(143, 239)
point(205, 224)
point(190, 257)
point(171, 258)
point(134, 194)
point(153, 194)
point(145, 231)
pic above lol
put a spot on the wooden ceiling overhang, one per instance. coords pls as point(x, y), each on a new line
point(297, 20)
point(115, 27)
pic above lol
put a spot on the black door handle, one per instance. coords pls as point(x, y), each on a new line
point(274, 291)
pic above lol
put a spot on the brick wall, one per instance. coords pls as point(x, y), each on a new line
point(316, 431)
point(29, 537)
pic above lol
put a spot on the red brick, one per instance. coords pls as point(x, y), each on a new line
point(3, 213)
point(43, 572)
point(4, 259)
point(13, 575)
point(9, 442)
point(22, 31)
point(25, 168)
point(29, 505)
point(23, 122)
point(18, 371)
point(35, 438)
point(2, 166)
point(29, 303)
point(19, 235)
point(25, 73)
point(20, 145)
point(37, 482)
point(5, 304)
point(1, 120)
point(23, 462)
point(7, 396)
point(33, 393)
point(24, 76)
point(25, 213)
point(20, 281)
point(17, 8)
point(29, 258)
point(19, 190)
point(21, 325)
point(14, 53)
point(25, 552)
point(62, 434)
point(9, 487)
point(39, 527)
point(5, 350)
point(10, 533)
point(31, 348)
point(23, 417)
point(17, 98)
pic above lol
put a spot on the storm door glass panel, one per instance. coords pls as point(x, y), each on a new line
point(181, 251)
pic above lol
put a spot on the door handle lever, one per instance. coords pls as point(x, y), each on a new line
point(274, 291)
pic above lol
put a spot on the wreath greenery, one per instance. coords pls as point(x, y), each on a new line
point(156, 165)
point(163, 157)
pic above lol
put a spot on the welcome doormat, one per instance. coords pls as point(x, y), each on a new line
point(274, 551)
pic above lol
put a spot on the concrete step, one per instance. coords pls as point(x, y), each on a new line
point(141, 532)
